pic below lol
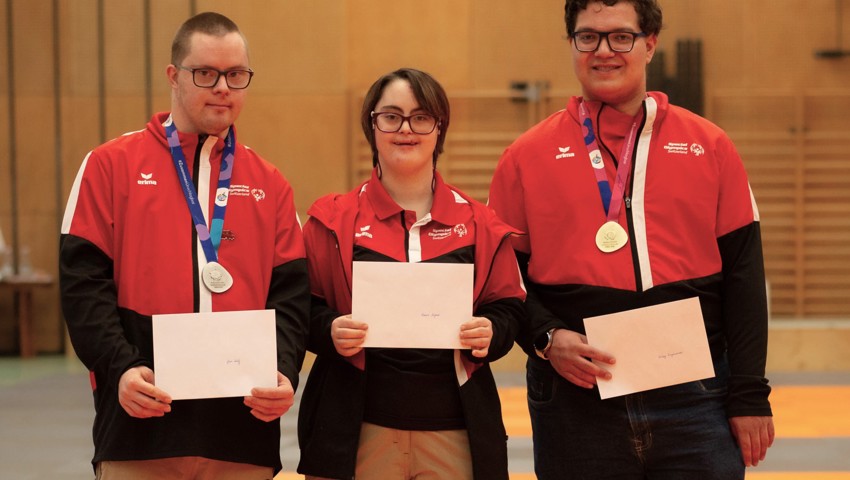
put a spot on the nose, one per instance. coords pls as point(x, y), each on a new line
point(403, 122)
point(221, 84)
point(604, 41)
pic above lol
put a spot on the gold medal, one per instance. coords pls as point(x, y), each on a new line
point(216, 278)
point(611, 237)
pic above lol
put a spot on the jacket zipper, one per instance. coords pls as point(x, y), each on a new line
point(629, 214)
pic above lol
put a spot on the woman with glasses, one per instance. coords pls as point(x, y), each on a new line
point(394, 413)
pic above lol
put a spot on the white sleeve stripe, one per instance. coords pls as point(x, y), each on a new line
point(756, 215)
point(71, 207)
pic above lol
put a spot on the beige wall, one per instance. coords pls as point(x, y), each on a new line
point(314, 58)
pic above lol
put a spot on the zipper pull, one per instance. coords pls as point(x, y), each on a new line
point(628, 202)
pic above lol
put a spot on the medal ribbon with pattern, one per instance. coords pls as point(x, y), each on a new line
point(611, 236)
point(210, 237)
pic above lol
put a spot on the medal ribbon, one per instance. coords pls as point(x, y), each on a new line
point(210, 237)
point(610, 202)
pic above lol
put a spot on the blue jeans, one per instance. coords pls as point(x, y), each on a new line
point(673, 433)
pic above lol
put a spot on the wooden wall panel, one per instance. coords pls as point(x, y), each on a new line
point(384, 35)
point(166, 18)
point(759, 44)
point(78, 47)
point(795, 144)
point(124, 67)
point(7, 327)
point(34, 157)
point(524, 41)
point(313, 167)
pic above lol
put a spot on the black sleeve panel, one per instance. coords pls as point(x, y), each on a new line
point(506, 314)
point(321, 318)
point(289, 296)
point(539, 319)
point(90, 307)
point(745, 320)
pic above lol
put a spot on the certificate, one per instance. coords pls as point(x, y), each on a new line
point(654, 347)
point(412, 305)
point(214, 354)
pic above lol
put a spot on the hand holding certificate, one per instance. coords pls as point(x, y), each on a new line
point(412, 305)
point(655, 347)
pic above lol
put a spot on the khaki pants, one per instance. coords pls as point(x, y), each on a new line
point(181, 468)
point(389, 454)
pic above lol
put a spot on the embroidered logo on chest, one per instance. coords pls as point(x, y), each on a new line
point(364, 232)
point(147, 179)
point(443, 233)
point(564, 153)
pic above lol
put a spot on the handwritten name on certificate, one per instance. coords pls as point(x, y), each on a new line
point(412, 305)
point(214, 354)
point(655, 347)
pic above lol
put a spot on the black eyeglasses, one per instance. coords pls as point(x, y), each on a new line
point(208, 77)
point(620, 42)
point(391, 122)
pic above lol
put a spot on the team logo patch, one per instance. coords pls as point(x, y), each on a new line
point(697, 149)
point(258, 194)
point(460, 230)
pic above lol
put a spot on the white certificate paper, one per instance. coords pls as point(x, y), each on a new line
point(412, 305)
point(655, 347)
point(217, 354)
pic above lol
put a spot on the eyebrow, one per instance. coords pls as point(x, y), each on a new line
point(399, 109)
point(209, 67)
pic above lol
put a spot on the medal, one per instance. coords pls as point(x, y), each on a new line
point(611, 237)
point(216, 278)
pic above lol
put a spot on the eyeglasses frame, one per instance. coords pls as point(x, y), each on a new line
point(218, 77)
point(374, 115)
point(635, 36)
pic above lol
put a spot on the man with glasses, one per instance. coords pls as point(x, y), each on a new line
point(628, 202)
point(145, 233)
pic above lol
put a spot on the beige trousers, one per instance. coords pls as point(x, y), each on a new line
point(389, 454)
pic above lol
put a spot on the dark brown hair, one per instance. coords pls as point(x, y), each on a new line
point(648, 12)
point(209, 23)
point(429, 94)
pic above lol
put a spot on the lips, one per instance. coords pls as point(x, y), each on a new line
point(605, 68)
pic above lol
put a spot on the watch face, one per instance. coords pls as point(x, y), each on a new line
point(541, 341)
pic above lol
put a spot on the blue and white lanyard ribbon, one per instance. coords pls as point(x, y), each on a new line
point(210, 237)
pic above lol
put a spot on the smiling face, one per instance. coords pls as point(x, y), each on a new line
point(618, 79)
point(403, 153)
point(208, 110)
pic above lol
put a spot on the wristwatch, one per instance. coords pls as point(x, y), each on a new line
point(543, 343)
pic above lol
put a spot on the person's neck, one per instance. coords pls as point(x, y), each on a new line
point(629, 107)
point(180, 124)
point(411, 192)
